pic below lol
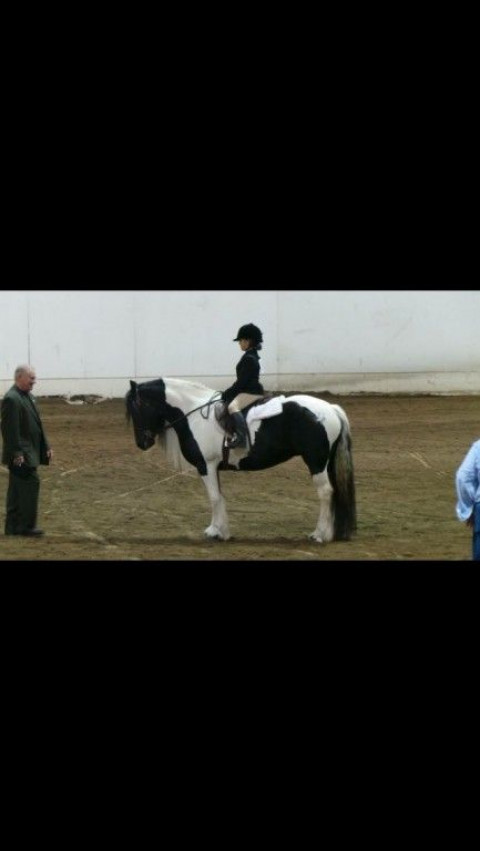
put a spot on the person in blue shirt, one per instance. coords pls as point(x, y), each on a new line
point(467, 480)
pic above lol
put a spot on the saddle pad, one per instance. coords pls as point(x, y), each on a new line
point(272, 408)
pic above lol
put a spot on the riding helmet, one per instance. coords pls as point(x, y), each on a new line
point(249, 332)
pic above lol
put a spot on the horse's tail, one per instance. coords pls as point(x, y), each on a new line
point(340, 471)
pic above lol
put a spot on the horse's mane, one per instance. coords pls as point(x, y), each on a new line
point(180, 384)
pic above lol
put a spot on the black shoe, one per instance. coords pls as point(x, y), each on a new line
point(32, 533)
point(239, 439)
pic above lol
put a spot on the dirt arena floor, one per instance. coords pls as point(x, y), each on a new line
point(102, 499)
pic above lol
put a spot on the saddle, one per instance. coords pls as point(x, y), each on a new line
point(227, 423)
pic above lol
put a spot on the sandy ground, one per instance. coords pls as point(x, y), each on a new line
point(104, 500)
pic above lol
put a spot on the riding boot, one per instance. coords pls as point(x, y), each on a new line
point(239, 439)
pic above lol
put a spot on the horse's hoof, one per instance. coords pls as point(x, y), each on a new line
point(317, 538)
point(214, 535)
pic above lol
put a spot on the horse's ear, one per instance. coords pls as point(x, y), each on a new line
point(133, 385)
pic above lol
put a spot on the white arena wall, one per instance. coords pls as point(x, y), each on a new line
point(341, 341)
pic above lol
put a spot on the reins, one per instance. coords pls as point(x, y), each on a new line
point(215, 398)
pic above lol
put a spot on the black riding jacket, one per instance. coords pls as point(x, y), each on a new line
point(248, 370)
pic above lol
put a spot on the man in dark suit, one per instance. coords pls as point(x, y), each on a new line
point(25, 446)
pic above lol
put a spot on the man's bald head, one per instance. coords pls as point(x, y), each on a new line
point(25, 377)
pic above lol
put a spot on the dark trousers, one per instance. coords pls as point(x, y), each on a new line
point(22, 499)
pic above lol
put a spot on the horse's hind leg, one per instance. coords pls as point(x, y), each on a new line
point(325, 526)
point(219, 526)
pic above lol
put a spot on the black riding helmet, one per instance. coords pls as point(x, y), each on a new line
point(249, 332)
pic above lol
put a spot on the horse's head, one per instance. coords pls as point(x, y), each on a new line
point(146, 408)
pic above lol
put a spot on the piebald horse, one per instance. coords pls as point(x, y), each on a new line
point(182, 415)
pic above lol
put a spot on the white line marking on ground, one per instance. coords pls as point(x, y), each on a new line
point(419, 458)
point(305, 553)
point(92, 536)
point(144, 487)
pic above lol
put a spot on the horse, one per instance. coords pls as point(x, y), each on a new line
point(185, 417)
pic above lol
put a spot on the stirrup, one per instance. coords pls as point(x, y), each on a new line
point(233, 442)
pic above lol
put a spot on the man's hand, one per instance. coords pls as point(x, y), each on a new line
point(18, 461)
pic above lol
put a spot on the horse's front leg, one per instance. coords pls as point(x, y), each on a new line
point(219, 526)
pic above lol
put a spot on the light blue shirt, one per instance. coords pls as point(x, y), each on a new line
point(467, 480)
